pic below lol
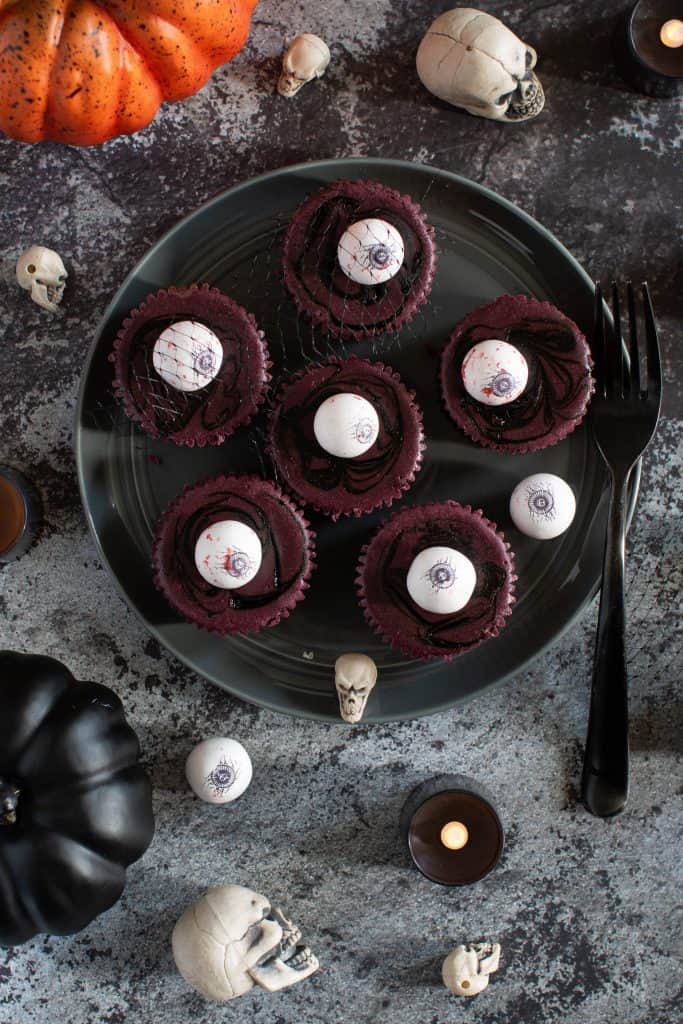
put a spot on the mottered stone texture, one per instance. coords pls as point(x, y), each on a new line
point(584, 909)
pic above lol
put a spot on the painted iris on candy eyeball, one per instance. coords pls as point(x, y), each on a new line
point(371, 251)
point(441, 580)
point(346, 425)
point(187, 355)
point(228, 554)
point(494, 372)
point(542, 506)
point(218, 770)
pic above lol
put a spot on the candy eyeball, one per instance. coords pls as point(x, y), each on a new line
point(542, 506)
point(441, 580)
point(346, 425)
point(228, 554)
point(187, 355)
point(371, 251)
point(494, 372)
point(218, 770)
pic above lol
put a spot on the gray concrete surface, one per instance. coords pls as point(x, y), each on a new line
point(584, 909)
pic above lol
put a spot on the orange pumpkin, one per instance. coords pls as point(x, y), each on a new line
point(82, 71)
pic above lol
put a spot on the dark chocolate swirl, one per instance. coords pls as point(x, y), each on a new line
point(559, 383)
point(171, 410)
point(319, 285)
point(212, 412)
point(336, 485)
point(384, 569)
point(285, 544)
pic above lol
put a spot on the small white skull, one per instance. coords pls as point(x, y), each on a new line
point(355, 676)
point(466, 970)
point(41, 271)
point(306, 58)
point(232, 940)
point(472, 60)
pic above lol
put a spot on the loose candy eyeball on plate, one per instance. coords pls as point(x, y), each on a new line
point(542, 506)
point(218, 770)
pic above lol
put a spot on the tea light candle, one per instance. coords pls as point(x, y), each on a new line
point(454, 835)
point(452, 830)
point(649, 47)
point(20, 514)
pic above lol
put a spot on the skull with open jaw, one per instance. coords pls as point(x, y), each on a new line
point(472, 60)
point(233, 939)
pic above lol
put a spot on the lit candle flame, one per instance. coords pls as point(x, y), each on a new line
point(671, 33)
point(454, 835)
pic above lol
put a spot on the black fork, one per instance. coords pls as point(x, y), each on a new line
point(624, 414)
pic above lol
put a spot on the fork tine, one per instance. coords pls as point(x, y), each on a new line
point(615, 387)
point(634, 357)
point(654, 366)
point(599, 347)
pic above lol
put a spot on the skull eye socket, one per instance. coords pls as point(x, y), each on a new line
point(31, 268)
point(504, 99)
point(529, 58)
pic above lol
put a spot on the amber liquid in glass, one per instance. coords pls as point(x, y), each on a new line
point(12, 515)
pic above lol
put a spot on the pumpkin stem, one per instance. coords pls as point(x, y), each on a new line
point(9, 799)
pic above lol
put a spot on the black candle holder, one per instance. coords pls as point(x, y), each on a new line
point(641, 57)
point(452, 830)
point(22, 513)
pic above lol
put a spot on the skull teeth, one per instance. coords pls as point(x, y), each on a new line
point(54, 292)
point(304, 958)
point(289, 942)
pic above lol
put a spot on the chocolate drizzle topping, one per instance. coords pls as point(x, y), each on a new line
point(447, 631)
point(285, 544)
point(558, 386)
point(214, 411)
point(338, 484)
point(389, 556)
point(282, 565)
point(313, 274)
point(171, 410)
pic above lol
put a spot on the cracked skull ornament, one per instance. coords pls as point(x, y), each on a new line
point(305, 58)
point(466, 970)
point(355, 676)
point(470, 59)
point(233, 939)
point(41, 272)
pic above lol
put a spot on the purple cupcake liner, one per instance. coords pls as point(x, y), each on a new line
point(207, 416)
point(389, 609)
point(343, 501)
point(320, 289)
point(560, 384)
point(288, 545)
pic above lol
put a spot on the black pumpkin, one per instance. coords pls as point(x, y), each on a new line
point(75, 804)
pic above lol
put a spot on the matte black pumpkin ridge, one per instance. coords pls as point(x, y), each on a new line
point(75, 804)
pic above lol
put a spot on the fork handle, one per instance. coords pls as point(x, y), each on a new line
point(604, 786)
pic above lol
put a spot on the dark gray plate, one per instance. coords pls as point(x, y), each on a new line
point(486, 247)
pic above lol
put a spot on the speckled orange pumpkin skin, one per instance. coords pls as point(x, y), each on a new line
point(81, 72)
